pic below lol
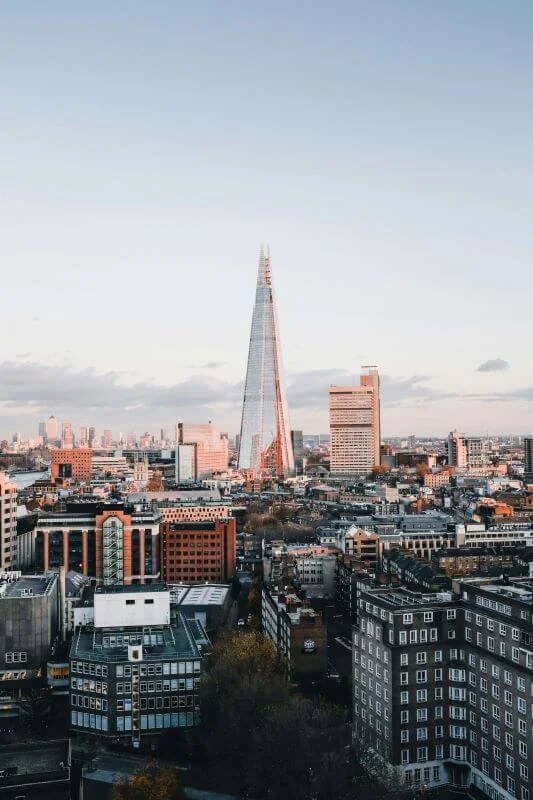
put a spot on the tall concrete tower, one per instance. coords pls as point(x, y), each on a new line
point(265, 440)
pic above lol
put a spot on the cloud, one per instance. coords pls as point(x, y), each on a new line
point(208, 365)
point(310, 389)
point(65, 388)
point(493, 365)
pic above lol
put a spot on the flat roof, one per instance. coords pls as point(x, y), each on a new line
point(133, 588)
point(28, 586)
point(206, 595)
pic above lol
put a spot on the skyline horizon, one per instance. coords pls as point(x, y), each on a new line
point(382, 150)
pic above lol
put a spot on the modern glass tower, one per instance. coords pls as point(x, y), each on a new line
point(265, 442)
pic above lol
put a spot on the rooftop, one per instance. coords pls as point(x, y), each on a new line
point(134, 588)
point(181, 640)
point(199, 595)
point(402, 598)
point(27, 586)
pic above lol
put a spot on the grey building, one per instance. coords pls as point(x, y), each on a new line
point(135, 671)
point(528, 458)
point(28, 626)
point(443, 684)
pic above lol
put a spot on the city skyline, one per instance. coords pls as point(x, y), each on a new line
point(138, 184)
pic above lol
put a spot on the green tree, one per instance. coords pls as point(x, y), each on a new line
point(152, 783)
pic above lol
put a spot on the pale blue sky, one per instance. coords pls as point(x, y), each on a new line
point(382, 149)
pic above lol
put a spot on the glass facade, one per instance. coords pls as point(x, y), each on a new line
point(265, 442)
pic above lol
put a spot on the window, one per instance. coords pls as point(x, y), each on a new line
point(403, 638)
point(421, 676)
point(405, 756)
point(404, 719)
point(407, 619)
point(404, 736)
point(428, 616)
point(421, 658)
point(404, 697)
point(404, 659)
point(451, 613)
point(438, 656)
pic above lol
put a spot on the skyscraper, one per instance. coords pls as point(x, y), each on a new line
point(265, 442)
point(67, 436)
point(354, 424)
point(52, 430)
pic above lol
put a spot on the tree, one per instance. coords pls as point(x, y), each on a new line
point(152, 783)
point(245, 677)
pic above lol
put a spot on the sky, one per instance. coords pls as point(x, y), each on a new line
point(382, 149)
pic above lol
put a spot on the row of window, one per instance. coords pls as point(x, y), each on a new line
point(16, 658)
point(88, 685)
point(82, 701)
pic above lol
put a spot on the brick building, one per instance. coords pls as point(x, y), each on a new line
point(198, 551)
point(72, 464)
point(111, 542)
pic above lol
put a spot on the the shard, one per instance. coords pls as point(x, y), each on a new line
point(265, 442)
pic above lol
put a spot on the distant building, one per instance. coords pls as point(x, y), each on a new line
point(8, 524)
point(186, 463)
point(52, 431)
point(67, 436)
point(354, 423)
point(72, 464)
point(136, 671)
point(212, 451)
point(528, 459)
point(198, 552)
point(297, 440)
point(465, 452)
point(107, 440)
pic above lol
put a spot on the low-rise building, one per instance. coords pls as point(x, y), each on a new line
point(135, 671)
point(298, 632)
point(28, 626)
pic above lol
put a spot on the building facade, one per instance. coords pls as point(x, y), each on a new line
point(8, 524)
point(72, 464)
point(110, 542)
point(136, 671)
point(443, 684)
point(198, 551)
point(354, 425)
point(28, 626)
point(211, 450)
point(298, 632)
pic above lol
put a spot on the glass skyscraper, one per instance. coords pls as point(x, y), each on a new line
point(265, 440)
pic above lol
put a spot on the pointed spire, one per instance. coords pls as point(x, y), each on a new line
point(264, 277)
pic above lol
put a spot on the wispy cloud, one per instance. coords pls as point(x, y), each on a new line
point(207, 365)
point(493, 365)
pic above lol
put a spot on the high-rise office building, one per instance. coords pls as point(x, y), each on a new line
point(8, 524)
point(265, 442)
point(354, 425)
point(52, 430)
point(42, 431)
point(528, 458)
point(92, 437)
point(107, 440)
point(67, 436)
point(297, 441)
point(84, 437)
